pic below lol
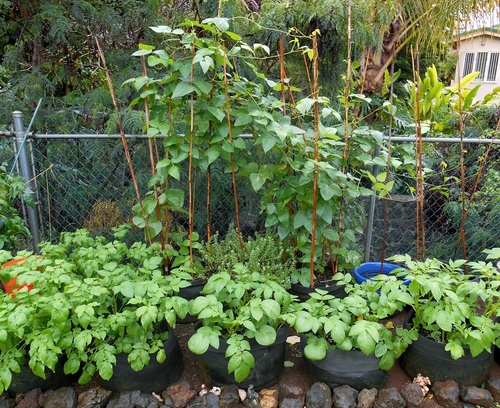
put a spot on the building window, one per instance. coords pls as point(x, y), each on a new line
point(486, 63)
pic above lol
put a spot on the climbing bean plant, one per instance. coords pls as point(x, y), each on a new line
point(197, 96)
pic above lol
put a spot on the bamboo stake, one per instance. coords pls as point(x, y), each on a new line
point(420, 233)
point(152, 162)
point(389, 133)
point(282, 73)
point(190, 165)
point(345, 153)
point(209, 175)
point(466, 209)
point(316, 159)
point(293, 243)
point(123, 137)
point(233, 171)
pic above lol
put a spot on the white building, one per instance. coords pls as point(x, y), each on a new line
point(479, 50)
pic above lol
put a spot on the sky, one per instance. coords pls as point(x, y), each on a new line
point(476, 22)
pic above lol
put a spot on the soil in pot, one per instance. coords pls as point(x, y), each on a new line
point(154, 377)
point(429, 358)
point(269, 363)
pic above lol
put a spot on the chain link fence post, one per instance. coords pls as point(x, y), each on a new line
point(27, 175)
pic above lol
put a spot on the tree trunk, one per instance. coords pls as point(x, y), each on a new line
point(375, 62)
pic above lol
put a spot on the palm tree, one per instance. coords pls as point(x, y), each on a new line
point(428, 24)
point(379, 29)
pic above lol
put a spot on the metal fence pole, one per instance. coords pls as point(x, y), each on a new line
point(27, 175)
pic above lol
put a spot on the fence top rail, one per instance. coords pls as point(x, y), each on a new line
point(411, 139)
point(96, 136)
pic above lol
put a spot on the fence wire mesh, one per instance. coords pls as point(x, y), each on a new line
point(460, 205)
point(86, 182)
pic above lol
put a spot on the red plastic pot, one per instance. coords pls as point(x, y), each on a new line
point(11, 287)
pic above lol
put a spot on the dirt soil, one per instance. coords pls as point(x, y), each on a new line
point(296, 374)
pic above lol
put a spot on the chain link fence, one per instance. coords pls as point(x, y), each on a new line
point(84, 181)
point(461, 203)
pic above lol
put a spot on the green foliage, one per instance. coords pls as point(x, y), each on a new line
point(297, 19)
point(56, 58)
point(288, 198)
point(237, 308)
point(12, 227)
point(444, 114)
point(457, 309)
point(263, 253)
point(91, 299)
point(440, 106)
point(355, 322)
point(186, 82)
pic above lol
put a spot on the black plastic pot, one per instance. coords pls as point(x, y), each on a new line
point(269, 362)
point(154, 377)
point(429, 358)
point(25, 380)
point(340, 367)
point(304, 292)
point(189, 293)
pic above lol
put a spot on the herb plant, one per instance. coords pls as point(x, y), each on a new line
point(263, 253)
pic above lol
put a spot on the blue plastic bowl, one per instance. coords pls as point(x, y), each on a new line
point(368, 270)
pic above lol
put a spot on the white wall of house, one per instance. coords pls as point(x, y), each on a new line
point(480, 52)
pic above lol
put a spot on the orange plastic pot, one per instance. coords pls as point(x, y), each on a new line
point(11, 287)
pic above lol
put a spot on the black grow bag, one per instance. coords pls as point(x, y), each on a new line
point(304, 292)
point(429, 358)
point(154, 377)
point(340, 367)
point(26, 380)
point(189, 293)
point(269, 362)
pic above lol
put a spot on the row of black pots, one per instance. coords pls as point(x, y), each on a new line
point(269, 362)
point(352, 368)
point(153, 377)
point(423, 356)
point(340, 367)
